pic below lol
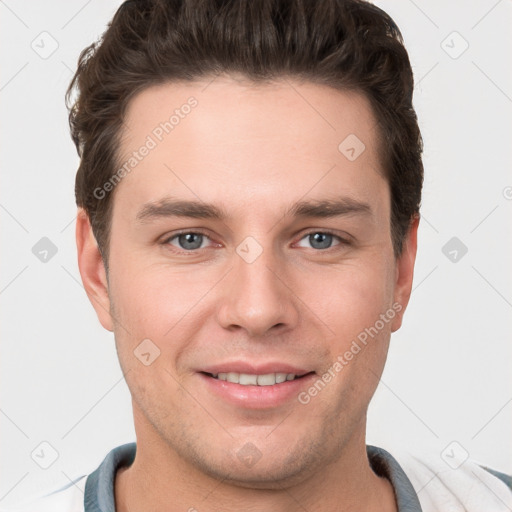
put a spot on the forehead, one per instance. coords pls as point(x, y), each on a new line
point(228, 139)
point(241, 107)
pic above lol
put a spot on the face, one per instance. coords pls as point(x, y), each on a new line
point(252, 284)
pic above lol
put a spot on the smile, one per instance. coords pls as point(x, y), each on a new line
point(259, 388)
point(247, 379)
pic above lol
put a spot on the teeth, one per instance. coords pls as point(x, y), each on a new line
point(268, 379)
point(247, 379)
point(280, 377)
point(232, 377)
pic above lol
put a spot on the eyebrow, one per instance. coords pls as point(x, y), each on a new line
point(330, 208)
point(168, 207)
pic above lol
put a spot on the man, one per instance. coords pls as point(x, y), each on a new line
point(249, 194)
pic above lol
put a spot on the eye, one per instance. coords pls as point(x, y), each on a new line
point(320, 240)
point(189, 241)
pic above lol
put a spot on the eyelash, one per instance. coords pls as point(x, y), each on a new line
point(165, 242)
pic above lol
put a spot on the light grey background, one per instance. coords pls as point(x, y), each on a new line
point(448, 372)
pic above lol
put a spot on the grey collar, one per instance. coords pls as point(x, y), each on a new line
point(99, 488)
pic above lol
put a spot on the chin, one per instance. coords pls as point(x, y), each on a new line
point(276, 470)
point(271, 476)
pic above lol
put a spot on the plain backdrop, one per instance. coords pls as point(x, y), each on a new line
point(447, 381)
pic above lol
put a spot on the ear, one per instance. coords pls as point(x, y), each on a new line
point(92, 269)
point(404, 273)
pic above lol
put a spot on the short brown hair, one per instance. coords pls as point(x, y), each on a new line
point(346, 44)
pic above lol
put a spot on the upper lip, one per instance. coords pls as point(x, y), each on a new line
point(254, 369)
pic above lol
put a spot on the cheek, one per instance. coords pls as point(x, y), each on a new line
point(152, 311)
point(166, 306)
point(350, 298)
point(152, 302)
point(355, 303)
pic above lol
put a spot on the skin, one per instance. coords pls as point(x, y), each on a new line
point(254, 151)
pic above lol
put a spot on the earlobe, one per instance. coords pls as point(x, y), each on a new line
point(405, 273)
point(92, 269)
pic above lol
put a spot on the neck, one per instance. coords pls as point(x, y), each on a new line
point(159, 479)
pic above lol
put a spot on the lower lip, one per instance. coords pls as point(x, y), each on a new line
point(257, 397)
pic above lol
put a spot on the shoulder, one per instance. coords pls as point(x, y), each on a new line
point(444, 483)
point(94, 491)
point(69, 498)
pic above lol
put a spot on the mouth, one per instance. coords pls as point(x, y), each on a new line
point(262, 385)
point(248, 379)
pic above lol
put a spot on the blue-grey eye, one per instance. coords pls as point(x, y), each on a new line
point(318, 240)
point(189, 241)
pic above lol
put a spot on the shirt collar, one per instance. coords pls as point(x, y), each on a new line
point(99, 488)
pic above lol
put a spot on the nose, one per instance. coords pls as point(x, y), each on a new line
point(257, 297)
